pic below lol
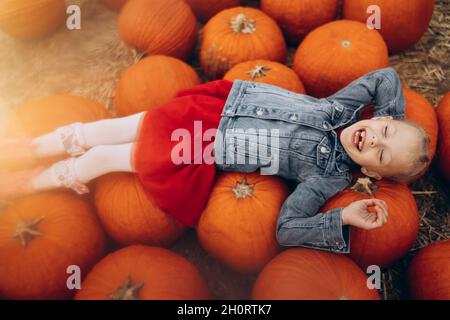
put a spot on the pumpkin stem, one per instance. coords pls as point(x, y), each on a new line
point(242, 24)
point(346, 43)
point(128, 291)
point(364, 185)
point(26, 231)
point(243, 190)
point(258, 72)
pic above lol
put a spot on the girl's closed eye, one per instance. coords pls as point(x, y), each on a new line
point(385, 133)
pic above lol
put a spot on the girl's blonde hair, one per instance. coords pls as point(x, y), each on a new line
point(421, 159)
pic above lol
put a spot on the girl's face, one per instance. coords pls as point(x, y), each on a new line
point(381, 146)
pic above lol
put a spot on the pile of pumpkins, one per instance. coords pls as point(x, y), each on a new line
point(43, 234)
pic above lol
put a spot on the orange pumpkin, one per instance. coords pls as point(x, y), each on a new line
point(429, 272)
point(443, 114)
point(402, 22)
point(298, 17)
point(159, 27)
point(206, 9)
point(40, 237)
point(421, 111)
point(30, 20)
point(129, 216)
point(115, 5)
point(238, 224)
point(305, 274)
point(265, 71)
point(143, 273)
point(385, 245)
point(239, 34)
point(418, 110)
point(47, 114)
point(141, 87)
point(337, 53)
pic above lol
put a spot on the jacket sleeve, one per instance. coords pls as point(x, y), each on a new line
point(301, 224)
point(382, 87)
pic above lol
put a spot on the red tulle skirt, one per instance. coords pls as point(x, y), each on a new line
point(181, 190)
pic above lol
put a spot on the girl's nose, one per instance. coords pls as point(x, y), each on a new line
point(373, 141)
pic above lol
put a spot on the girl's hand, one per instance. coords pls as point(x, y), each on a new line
point(359, 215)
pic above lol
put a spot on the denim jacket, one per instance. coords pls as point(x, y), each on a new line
point(294, 136)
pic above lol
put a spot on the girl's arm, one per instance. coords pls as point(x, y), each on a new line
point(382, 87)
point(301, 224)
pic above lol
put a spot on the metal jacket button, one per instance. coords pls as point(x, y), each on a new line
point(259, 111)
point(294, 117)
point(338, 108)
point(323, 150)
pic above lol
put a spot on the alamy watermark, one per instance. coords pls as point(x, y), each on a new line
point(73, 281)
point(250, 146)
point(374, 20)
point(374, 280)
point(73, 21)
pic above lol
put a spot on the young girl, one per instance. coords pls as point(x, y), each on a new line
point(176, 149)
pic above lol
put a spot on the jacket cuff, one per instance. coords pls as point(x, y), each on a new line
point(399, 116)
point(399, 110)
point(336, 235)
point(394, 109)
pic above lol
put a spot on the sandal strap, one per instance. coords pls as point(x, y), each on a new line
point(65, 176)
point(72, 139)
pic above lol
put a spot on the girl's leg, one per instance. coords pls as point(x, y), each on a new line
point(103, 132)
point(95, 162)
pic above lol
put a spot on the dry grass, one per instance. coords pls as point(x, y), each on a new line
point(87, 63)
point(82, 62)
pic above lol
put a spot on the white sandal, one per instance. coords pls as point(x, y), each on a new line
point(72, 139)
point(64, 175)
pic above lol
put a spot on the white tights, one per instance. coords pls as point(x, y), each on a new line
point(110, 141)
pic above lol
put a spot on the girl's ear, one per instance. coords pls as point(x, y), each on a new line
point(370, 174)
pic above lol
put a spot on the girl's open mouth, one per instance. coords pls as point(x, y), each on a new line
point(359, 138)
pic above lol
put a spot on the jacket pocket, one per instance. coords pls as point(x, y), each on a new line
point(337, 111)
point(305, 144)
point(323, 152)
